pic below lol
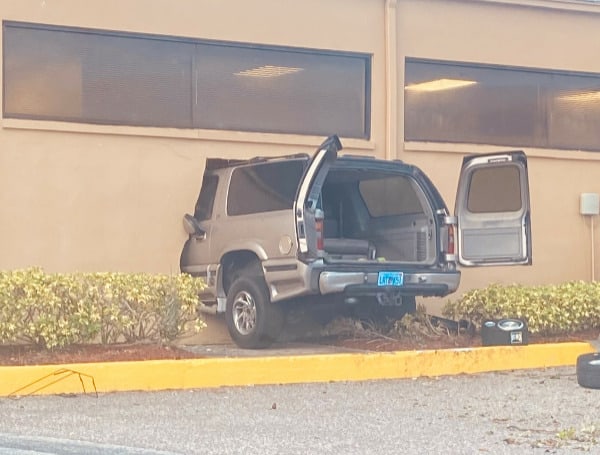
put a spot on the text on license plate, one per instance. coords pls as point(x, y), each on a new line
point(390, 279)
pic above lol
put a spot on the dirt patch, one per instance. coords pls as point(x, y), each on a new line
point(418, 331)
point(384, 344)
point(423, 332)
point(32, 355)
point(360, 341)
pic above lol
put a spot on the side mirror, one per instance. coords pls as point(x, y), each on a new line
point(192, 227)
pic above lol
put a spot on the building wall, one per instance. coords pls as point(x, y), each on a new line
point(546, 35)
point(90, 197)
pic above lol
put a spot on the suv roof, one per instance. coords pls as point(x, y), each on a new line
point(221, 163)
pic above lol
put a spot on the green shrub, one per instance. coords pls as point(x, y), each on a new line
point(55, 310)
point(547, 309)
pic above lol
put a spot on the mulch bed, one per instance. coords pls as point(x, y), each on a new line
point(384, 344)
point(32, 355)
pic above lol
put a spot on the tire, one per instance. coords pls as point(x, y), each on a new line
point(588, 370)
point(252, 320)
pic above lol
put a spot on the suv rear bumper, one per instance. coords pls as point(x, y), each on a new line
point(365, 283)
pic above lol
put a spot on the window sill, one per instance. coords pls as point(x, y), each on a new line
point(182, 133)
point(465, 149)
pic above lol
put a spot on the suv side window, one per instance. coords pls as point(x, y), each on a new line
point(390, 196)
point(206, 200)
point(264, 187)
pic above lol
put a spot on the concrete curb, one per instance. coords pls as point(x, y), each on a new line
point(227, 371)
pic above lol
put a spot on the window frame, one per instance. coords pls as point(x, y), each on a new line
point(366, 59)
point(547, 137)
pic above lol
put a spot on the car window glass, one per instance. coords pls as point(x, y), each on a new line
point(496, 189)
point(389, 196)
point(264, 187)
point(204, 205)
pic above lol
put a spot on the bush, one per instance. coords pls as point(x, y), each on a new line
point(55, 310)
point(547, 309)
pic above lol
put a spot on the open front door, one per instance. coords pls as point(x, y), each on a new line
point(308, 198)
point(493, 211)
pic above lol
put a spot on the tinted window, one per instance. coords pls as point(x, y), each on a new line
point(204, 205)
point(481, 104)
point(390, 196)
point(264, 187)
point(94, 76)
point(496, 189)
point(282, 91)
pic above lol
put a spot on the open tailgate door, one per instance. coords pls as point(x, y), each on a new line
point(308, 196)
point(493, 210)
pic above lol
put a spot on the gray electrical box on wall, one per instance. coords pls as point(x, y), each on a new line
point(589, 204)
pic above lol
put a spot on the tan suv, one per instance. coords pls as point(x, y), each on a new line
point(272, 232)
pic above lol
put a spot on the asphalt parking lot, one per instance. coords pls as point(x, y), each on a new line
point(512, 412)
point(305, 398)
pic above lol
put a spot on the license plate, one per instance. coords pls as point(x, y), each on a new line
point(390, 279)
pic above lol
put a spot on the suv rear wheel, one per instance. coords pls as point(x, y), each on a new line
point(252, 320)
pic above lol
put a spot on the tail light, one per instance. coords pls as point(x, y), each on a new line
point(319, 229)
point(451, 232)
point(449, 245)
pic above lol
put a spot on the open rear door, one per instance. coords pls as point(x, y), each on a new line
point(308, 197)
point(493, 211)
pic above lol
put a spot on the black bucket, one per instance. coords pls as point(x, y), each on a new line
point(504, 332)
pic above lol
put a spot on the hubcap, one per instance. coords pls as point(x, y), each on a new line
point(244, 313)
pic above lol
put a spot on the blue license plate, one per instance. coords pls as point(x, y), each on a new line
point(390, 279)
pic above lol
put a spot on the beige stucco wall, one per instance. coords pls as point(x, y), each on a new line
point(77, 197)
point(552, 35)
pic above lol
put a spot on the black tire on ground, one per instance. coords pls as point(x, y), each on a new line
point(252, 320)
point(588, 370)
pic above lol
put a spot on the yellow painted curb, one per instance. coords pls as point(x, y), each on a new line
point(218, 372)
